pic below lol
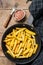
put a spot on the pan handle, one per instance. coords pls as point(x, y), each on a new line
point(7, 21)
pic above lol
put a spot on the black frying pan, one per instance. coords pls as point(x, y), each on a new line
point(21, 61)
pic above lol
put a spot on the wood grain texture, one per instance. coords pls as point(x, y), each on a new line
point(3, 17)
point(10, 3)
point(5, 61)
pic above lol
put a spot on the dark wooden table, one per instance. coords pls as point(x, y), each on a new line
point(4, 13)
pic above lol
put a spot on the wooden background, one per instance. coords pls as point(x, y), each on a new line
point(5, 9)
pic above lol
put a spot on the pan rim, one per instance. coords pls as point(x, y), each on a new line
point(16, 61)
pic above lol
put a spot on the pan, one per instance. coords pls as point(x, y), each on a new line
point(21, 60)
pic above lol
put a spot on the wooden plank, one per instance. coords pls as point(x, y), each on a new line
point(5, 61)
point(8, 4)
point(3, 17)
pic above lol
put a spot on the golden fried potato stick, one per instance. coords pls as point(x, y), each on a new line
point(19, 28)
point(25, 39)
point(26, 51)
point(11, 53)
point(22, 56)
point(28, 35)
point(16, 49)
point(19, 35)
point(30, 32)
point(23, 35)
point(10, 37)
point(20, 39)
point(20, 31)
point(30, 53)
point(21, 50)
point(8, 40)
point(29, 45)
point(15, 43)
point(12, 43)
point(8, 43)
point(35, 48)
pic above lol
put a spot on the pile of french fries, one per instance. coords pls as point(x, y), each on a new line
point(21, 43)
